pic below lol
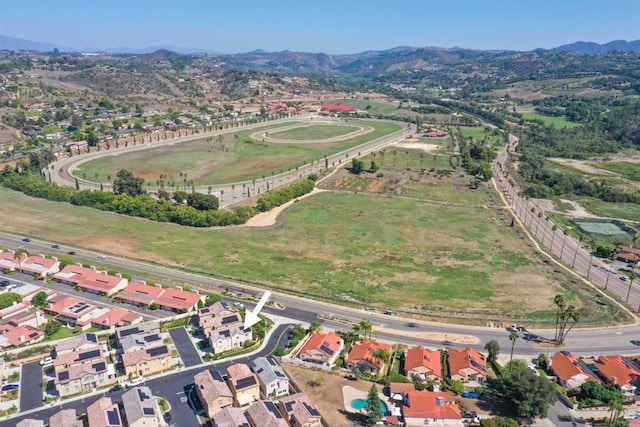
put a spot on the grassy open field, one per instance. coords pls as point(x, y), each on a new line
point(376, 106)
point(437, 253)
point(628, 170)
point(313, 132)
point(623, 211)
point(480, 133)
point(557, 122)
point(208, 161)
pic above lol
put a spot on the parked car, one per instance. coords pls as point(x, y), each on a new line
point(46, 361)
point(624, 278)
point(168, 417)
point(9, 387)
point(26, 239)
point(5, 283)
point(135, 382)
point(115, 388)
point(471, 394)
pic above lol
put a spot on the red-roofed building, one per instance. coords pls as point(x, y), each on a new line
point(627, 254)
point(71, 311)
point(619, 371)
point(323, 348)
point(431, 407)
point(91, 280)
point(38, 265)
point(115, 317)
point(570, 371)
point(340, 108)
point(425, 363)
point(467, 364)
point(20, 335)
point(8, 261)
point(436, 133)
point(140, 294)
point(361, 356)
point(179, 300)
point(13, 309)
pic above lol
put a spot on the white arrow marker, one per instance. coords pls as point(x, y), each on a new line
point(251, 317)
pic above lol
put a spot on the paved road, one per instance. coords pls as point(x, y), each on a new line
point(31, 386)
point(188, 352)
point(169, 386)
point(229, 194)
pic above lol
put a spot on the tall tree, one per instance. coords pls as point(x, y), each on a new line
point(374, 411)
point(366, 327)
point(513, 336)
point(493, 349)
point(127, 183)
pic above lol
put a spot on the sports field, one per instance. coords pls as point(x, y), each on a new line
point(235, 157)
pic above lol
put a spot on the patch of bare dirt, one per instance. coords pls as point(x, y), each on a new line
point(117, 245)
point(435, 336)
point(328, 396)
point(429, 148)
point(269, 218)
point(584, 166)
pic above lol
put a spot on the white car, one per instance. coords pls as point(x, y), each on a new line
point(46, 361)
point(135, 382)
point(624, 278)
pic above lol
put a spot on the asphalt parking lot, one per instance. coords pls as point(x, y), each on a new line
point(31, 386)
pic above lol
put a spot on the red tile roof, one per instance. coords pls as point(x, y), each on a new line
point(431, 404)
point(140, 293)
point(39, 264)
point(566, 366)
point(341, 108)
point(467, 358)
point(177, 299)
point(365, 351)
point(89, 278)
point(422, 357)
point(116, 317)
point(617, 370)
point(328, 340)
point(21, 334)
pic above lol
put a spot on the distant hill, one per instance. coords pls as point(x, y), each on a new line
point(12, 43)
point(591, 48)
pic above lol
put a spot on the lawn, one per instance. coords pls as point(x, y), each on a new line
point(557, 122)
point(375, 106)
point(404, 253)
point(237, 157)
point(623, 211)
point(628, 170)
point(481, 133)
point(313, 132)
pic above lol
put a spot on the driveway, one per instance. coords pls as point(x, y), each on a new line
point(184, 345)
point(31, 386)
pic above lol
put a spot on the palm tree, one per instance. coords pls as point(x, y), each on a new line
point(563, 241)
point(356, 329)
point(576, 252)
point(553, 236)
point(513, 337)
point(538, 223)
point(367, 327)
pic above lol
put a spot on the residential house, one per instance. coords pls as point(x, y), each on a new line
point(65, 418)
point(178, 300)
point(213, 392)
point(87, 341)
point(140, 294)
point(137, 342)
point(71, 311)
point(619, 371)
point(28, 291)
point(38, 265)
point(16, 336)
point(141, 408)
point(144, 328)
point(363, 357)
point(1, 369)
point(35, 319)
point(627, 254)
point(229, 337)
point(230, 417)
point(274, 382)
point(104, 413)
point(431, 407)
point(328, 108)
point(436, 133)
point(467, 365)
point(13, 309)
point(299, 411)
point(8, 261)
point(147, 361)
point(80, 377)
point(323, 348)
point(425, 363)
point(30, 422)
point(570, 371)
point(214, 315)
point(91, 280)
point(265, 413)
point(113, 317)
point(243, 384)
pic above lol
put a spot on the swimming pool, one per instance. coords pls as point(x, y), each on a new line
point(362, 404)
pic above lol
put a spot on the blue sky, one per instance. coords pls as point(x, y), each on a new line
point(331, 26)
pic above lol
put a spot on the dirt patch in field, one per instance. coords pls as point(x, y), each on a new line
point(328, 396)
point(584, 166)
point(435, 336)
point(269, 218)
point(116, 245)
point(429, 148)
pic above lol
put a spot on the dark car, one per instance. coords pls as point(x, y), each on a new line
point(55, 246)
point(167, 417)
point(5, 283)
point(71, 252)
point(26, 239)
point(115, 388)
point(10, 387)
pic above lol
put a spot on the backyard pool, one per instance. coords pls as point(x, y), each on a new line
point(362, 404)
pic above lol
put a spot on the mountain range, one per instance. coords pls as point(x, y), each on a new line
point(586, 48)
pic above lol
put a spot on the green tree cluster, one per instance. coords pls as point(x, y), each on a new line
point(498, 422)
point(373, 412)
point(275, 198)
point(6, 300)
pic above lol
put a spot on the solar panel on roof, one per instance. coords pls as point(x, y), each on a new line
point(148, 411)
point(142, 395)
point(216, 375)
point(128, 332)
point(64, 375)
point(113, 417)
point(280, 374)
point(157, 351)
point(273, 409)
point(225, 333)
point(154, 337)
point(229, 319)
point(92, 337)
point(272, 361)
point(326, 349)
point(312, 409)
point(89, 355)
point(246, 382)
point(99, 366)
point(289, 406)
